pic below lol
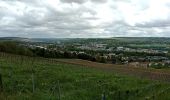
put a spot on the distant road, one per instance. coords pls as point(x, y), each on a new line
point(153, 74)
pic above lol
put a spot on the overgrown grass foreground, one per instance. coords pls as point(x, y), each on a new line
point(25, 78)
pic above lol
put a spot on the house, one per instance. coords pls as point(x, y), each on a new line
point(110, 55)
point(137, 64)
point(120, 48)
point(101, 45)
point(134, 64)
point(143, 65)
point(166, 62)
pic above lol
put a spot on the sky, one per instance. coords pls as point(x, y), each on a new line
point(84, 18)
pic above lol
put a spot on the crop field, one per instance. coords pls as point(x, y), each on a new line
point(29, 78)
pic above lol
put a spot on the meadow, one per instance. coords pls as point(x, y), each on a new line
point(32, 78)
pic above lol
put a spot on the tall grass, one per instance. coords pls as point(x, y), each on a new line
point(45, 79)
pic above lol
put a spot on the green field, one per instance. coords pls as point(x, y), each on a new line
point(27, 78)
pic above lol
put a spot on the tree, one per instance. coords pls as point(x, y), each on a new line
point(103, 59)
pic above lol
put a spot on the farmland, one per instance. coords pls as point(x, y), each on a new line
point(153, 74)
point(33, 78)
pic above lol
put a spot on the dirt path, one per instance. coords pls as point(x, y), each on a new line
point(153, 74)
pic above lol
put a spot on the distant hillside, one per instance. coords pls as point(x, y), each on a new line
point(15, 39)
point(113, 39)
point(45, 40)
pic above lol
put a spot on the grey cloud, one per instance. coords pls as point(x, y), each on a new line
point(99, 1)
point(38, 19)
point(73, 1)
point(155, 23)
point(83, 1)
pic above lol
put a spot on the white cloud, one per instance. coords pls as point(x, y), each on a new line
point(84, 18)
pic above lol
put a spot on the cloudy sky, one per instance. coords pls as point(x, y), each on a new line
point(84, 18)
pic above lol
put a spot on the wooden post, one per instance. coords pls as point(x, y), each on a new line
point(33, 83)
point(1, 85)
point(59, 96)
point(118, 95)
point(104, 96)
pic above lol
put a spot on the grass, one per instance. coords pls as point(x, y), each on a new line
point(72, 82)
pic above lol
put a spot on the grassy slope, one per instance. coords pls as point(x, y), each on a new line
point(149, 73)
point(75, 82)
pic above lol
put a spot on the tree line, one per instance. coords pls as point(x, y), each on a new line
point(14, 48)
